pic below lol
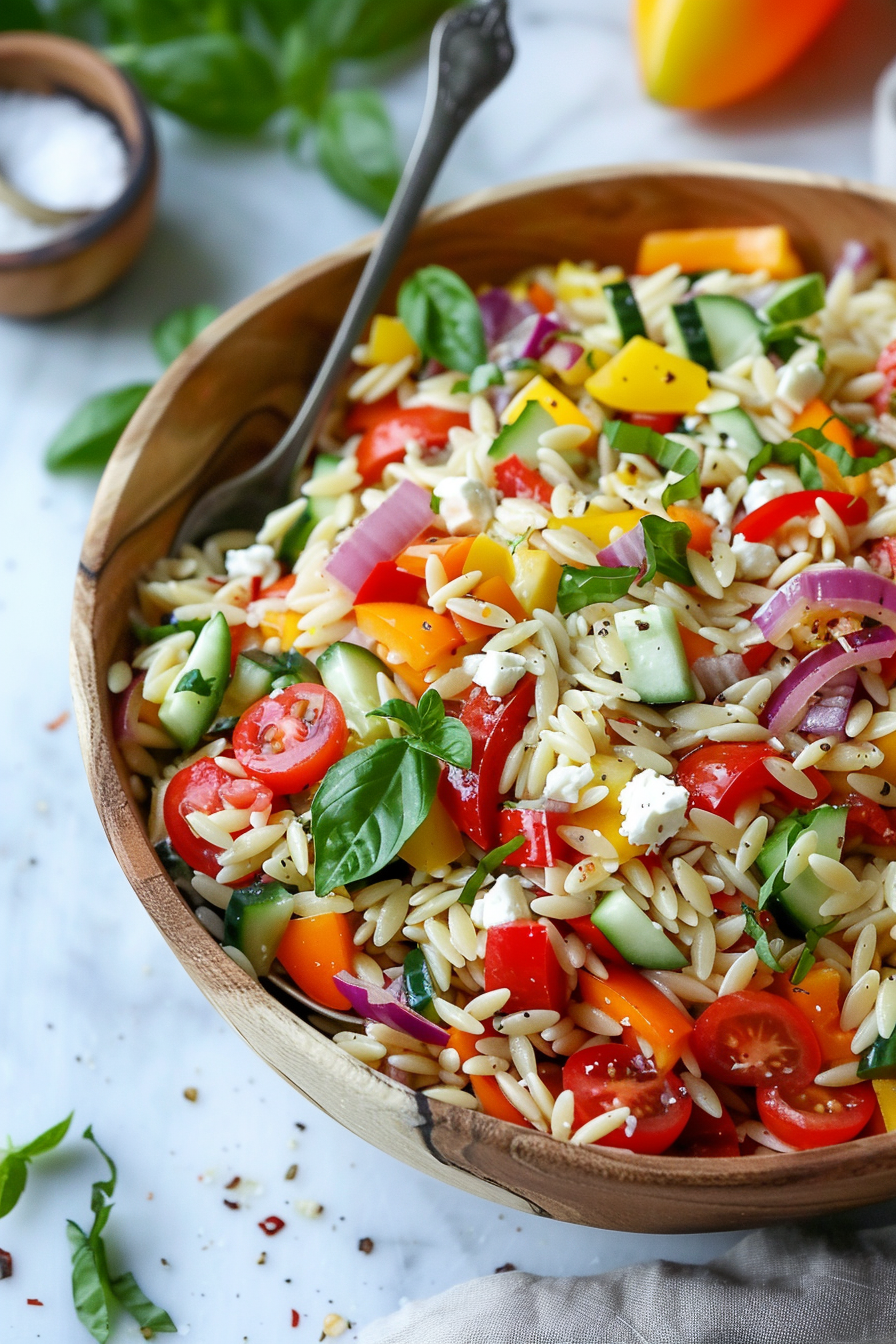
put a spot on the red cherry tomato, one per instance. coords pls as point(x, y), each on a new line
point(720, 778)
point(708, 1136)
point(814, 1116)
point(386, 441)
point(886, 364)
point(291, 738)
point(606, 1076)
point(205, 787)
point(756, 1039)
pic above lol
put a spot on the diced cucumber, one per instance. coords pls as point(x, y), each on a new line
point(625, 310)
point(658, 667)
point(797, 298)
point(256, 674)
point(879, 1060)
point(255, 921)
point(417, 984)
point(743, 438)
point(521, 437)
point(635, 935)
point(191, 701)
point(691, 339)
point(730, 330)
point(349, 672)
point(318, 506)
point(798, 907)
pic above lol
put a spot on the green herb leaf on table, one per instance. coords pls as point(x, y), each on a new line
point(598, 583)
point(174, 333)
point(665, 544)
point(91, 1290)
point(356, 147)
point(362, 29)
point(19, 16)
point(755, 931)
point(305, 69)
point(440, 311)
point(14, 1164)
point(147, 1315)
point(46, 1142)
point(487, 864)
point(665, 452)
point(86, 440)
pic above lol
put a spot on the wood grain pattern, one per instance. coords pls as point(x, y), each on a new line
point(77, 267)
point(233, 387)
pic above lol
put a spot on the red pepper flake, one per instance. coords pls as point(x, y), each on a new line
point(5, 1265)
point(232, 1185)
point(34, 1302)
point(255, 588)
point(272, 1225)
point(59, 720)
point(294, 1318)
point(231, 1204)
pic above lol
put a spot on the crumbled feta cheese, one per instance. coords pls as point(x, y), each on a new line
point(754, 559)
point(466, 506)
point(499, 672)
point(565, 782)
point(501, 903)
point(719, 506)
point(253, 562)
point(653, 809)
point(766, 488)
point(799, 383)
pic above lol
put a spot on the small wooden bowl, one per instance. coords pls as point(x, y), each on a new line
point(84, 262)
point(225, 399)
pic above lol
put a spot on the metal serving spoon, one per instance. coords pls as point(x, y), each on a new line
point(470, 53)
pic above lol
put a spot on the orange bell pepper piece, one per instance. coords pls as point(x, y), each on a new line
point(500, 594)
point(415, 634)
point(706, 53)
point(695, 646)
point(541, 298)
point(701, 526)
point(818, 996)
point(818, 415)
point(490, 1097)
point(737, 249)
point(313, 950)
point(452, 551)
point(642, 1009)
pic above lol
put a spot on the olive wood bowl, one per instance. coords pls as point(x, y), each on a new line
point(224, 401)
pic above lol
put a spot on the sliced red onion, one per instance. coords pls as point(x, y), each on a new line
point(717, 672)
point(858, 258)
point(378, 1005)
point(827, 717)
point(562, 355)
point(628, 549)
point(527, 340)
point(788, 702)
point(858, 591)
point(501, 313)
point(382, 535)
point(127, 710)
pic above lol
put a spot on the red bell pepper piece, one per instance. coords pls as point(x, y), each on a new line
point(519, 957)
point(757, 657)
point(516, 480)
point(868, 820)
point(471, 796)
point(661, 422)
point(387, 583)
point(386, 441)
point(593, 938)
point(765, 521)
point(883, 399)
point(542, 847)
point(720, 778)
point(365, 414)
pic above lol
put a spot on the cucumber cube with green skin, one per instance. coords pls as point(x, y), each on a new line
point(193, 698)
point(317, 507)
point(256, 674)
point(797, 298)
point(255, 922)
point(657, 663)
point(635, 935)
point(742, 438)
point(798, 907)
point(624, 307)
point(349, 672)
point(879, 1060)
point(522, 436)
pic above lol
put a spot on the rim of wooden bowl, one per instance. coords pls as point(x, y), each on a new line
point(448, 1138)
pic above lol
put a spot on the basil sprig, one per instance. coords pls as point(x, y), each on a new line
point(356, 147)
point(14, 1166)
point(487, 864)
point(666, 453)
point(373, 800)
point(665, 550)
point(93, 1289)
point(440, 311)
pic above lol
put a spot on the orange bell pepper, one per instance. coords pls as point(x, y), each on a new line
point(818, 415)
point(417, 635)
point(694, 645)
point(701, 527)
point(541, 298)
point(735, 249)
point(818, 996)
point(490, 1097)
point(452, 551)
point(706, 53)
point(500, 594)
point(642, 1009)
point(313, 950)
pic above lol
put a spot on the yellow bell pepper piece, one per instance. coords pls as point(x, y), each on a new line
point(706, 53)
point(435, 843)
point(885, 1090)
point(491, 558)
point(740, 249)
point(536, 579)
point(606, 816)
point(389, 341)
point(887, 767)
point(577, 282)
point(558, 406)
point(597, 524)
point(282, 625)
point(645, 377)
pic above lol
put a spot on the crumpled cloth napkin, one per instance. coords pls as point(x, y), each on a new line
point(786, 1285)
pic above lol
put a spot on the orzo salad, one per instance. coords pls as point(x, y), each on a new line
point(548, 735)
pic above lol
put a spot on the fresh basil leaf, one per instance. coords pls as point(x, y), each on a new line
point(671, 456)
point(755, 931)
point(400, 711)
point(87, 438)
point(431, 709)
point(44, 1143)
point(149, 20)
point(845, 463)
point(462, 385)
point(440, 311)
point(356, 147)
point(278, 15)
point(487, 864)
point(13, 1175)
point(360, 29)
point(147, 1315)
point(216, 81)
point(807, 956)
point(101, 1190)
point(194, 681)
point(598, 583)
point(450, 742)
point(367, 806)
point(151, 634)
point(483, 376)
point(90, 1287)
point(20, 15)
point(305, 69)
point(788, 454)
point(174, 333)
point(665, 545)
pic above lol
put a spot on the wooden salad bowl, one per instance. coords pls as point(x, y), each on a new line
point(226, 399)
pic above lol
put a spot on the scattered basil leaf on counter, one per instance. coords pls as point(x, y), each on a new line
point(362, 29)
point(598, 583)
point(665, 544)
point(440, 311)
point(665, 452)
point(755, 931)
point(174, 333)
point(305, 69)
point(20, 14)
point(487, 864)
point(86, 440)
point(14, 1164)
point(356, 147)
point(147, 1315)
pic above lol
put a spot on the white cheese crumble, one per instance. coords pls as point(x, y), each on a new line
point(565, 782)
point(799, 383)
point(719, 506)
point(253, 562)
point(501, 903)
point(466, 506)
point(497, 672)
point(754, 559)
point(766, 488)
point(653, 809)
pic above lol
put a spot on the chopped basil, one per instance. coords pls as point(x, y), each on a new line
point(151, 634)
point(755, 931)
point(671, 456)
point(807, 956)
point(665, 545)
point(487, 864)
point(194, 681)
point(845, 463)
point(485, 375)
point(799, 451)
point(788, 454)
point(14, 1166)
point(598, 583)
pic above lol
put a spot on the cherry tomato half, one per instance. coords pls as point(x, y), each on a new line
point(291, 738)
point(708, 1136)
point(606, 1076)
point(814, 1116)
point(755, 1039)
point(205, 787)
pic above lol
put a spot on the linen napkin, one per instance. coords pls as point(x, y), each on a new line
point(809, 1284)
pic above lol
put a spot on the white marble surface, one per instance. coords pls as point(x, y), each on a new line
point(95, 1012)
